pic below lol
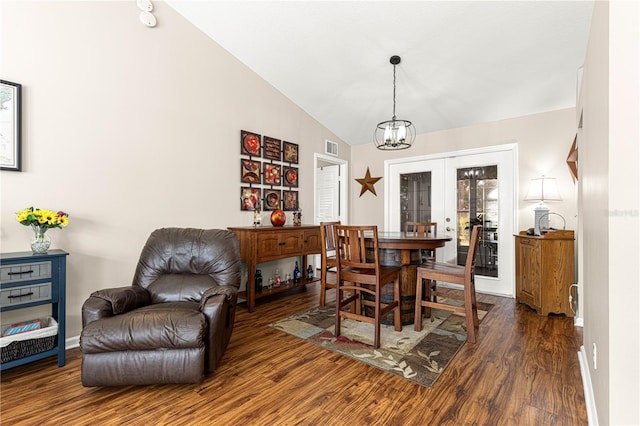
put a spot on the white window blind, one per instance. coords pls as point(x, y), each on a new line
point(328, 193)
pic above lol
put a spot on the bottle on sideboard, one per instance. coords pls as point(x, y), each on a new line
point(296, 274)
point(310, 272)
point(258, 281)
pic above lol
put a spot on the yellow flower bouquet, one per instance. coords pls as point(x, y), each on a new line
point(40, 221)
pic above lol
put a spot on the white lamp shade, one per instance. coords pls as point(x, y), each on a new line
point(402, 133)
point(387, 134)
point(543, 189)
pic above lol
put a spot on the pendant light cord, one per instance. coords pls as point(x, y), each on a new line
point(394, 92)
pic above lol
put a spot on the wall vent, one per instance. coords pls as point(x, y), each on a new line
point(330, 148)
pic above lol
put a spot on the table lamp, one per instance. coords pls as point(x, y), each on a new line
point(542, 189)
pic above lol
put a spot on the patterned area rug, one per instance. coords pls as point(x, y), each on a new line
point(417, 356)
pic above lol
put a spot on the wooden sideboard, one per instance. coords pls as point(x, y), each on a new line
point(545, 271)
point(266, 243)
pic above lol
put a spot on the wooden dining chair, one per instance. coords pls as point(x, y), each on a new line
point(361, 275)
point(432, 272)
point(327, 257)
point(423, 229)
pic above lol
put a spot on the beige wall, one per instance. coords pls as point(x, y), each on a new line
point(130, 129)
point(593, 169)
point(624, 207)
point(543, 142)
point(609, 203)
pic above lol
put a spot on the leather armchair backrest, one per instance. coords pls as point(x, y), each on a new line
point(179, 264)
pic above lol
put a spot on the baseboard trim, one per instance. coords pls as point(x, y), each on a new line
point(72, 342)
point(589, 400)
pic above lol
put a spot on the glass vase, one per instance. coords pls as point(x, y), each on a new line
point(41, 241)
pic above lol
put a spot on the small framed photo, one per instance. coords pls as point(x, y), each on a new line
point(290, 152)
point(290, 175)
point(290, 200)
point(271, 174)
point(249, 143)
point(272, 198)
point(272, 149)
point(249, 198)
point(249, 171)
point(10, 126)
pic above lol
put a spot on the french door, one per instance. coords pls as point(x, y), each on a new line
point(459, 190)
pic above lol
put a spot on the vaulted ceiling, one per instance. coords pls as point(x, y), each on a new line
point(463, 62)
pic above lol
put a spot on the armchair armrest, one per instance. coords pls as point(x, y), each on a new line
point(113, 301)
point(229, 293)
point(218, 304)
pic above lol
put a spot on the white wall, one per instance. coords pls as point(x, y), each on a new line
point(609, 183)
point(129, 129)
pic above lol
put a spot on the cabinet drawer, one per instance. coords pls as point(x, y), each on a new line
point(528, 242)
point(16, 296)
point(25, 272)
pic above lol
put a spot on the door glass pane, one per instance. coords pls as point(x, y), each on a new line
point(415, 198)
point(477, 201)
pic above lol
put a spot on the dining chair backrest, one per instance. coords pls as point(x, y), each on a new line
point(421, 228)
point(327, 257)
point(473, 248)
point(327, 237)
point(352, 245)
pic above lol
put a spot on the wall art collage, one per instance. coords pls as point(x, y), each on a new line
point(269, 176)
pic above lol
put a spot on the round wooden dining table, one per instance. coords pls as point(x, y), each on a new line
point(404, 250)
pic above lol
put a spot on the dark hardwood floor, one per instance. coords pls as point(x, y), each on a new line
point(524, 370)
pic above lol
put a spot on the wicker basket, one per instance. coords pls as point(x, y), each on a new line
point(30, 342)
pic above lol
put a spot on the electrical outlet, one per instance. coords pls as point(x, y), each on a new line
point(595, 357)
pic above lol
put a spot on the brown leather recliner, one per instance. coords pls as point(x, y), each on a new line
point(174, 322)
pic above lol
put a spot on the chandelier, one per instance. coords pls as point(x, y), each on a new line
point(394, 134)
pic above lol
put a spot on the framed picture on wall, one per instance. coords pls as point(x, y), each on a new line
point(271, 174)
point(289, 200)
point(271, 199)
point(249, 171)
point(249, 143)
point(272, 149)
point(290, 175)
point(290, 152)
point(249, 198)
point(10, 126)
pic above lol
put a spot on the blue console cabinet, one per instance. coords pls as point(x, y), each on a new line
point(28, 279)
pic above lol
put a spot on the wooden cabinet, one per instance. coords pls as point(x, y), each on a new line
point(545, 271)
point(28, 279)
point(267, 243)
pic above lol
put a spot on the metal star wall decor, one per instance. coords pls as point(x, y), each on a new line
point(367, 183)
